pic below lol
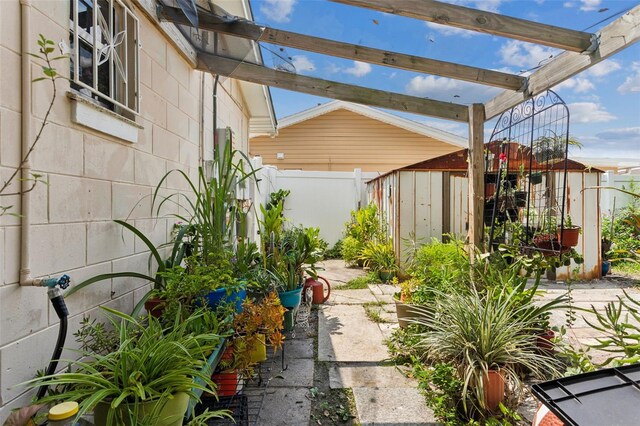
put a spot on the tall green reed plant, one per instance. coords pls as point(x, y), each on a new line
point(211, 206)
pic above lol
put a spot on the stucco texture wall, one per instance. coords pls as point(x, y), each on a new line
point(93, 179)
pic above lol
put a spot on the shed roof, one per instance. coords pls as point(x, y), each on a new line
point(517, 153)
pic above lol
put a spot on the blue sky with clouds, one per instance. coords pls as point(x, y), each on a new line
point(604, 101)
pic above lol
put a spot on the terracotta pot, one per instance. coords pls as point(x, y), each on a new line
point(569, 236)
point(226, 382)
point(155, 306)
point(547, 243)
point(406, 313)
point(317, 289)
point(544, 341)
point(493, 384)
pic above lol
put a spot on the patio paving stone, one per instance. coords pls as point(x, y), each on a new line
point(387, 407)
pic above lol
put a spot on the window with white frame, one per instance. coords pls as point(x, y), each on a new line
point(104, 54)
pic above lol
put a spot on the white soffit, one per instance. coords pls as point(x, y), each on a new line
point(262, 117)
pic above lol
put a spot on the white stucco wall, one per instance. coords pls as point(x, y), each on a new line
point(93, 179)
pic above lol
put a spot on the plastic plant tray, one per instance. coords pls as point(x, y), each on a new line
point(605, 397)
point(208, 368)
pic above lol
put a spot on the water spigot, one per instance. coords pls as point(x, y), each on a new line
point(62, 282)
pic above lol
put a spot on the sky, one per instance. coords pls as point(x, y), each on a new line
point(604, 101)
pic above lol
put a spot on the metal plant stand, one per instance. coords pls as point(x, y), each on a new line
point(526, 176)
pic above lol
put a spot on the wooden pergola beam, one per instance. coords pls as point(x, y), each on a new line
point(481, 21)
point(249, 30)
point(330, 89)
point(616, 36)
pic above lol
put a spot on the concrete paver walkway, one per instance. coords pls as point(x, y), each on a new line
point(354, 345)
point(351, 347)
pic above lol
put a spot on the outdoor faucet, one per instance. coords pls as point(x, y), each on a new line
point(62, 282)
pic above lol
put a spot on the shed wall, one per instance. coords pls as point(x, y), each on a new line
point(414, 203)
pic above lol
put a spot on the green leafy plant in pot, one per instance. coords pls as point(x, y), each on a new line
point(293, 256)
point(380, 257)
point(487, 337)
point(147, 380)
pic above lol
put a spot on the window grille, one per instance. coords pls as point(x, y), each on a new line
point(104, 54)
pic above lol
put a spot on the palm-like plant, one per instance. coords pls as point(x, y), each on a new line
point(478, 332)
point(379, 256)
point(151, 364)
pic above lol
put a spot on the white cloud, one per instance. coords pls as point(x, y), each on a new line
point(332, 68)
point(577, 84)
point(603, 68)
point(585, 5)
point(278, 10)
point(451, 31)
point(302, 64)
point(359, 69)
point(525, 55)
point(589, 112)
point(620, 133)
point(589, 5)
point(447, 89)
point(632, 82)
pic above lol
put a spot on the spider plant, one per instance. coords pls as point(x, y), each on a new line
point(151, 366)
point(478, 332)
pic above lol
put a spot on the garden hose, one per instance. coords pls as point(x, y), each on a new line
point(57, 300)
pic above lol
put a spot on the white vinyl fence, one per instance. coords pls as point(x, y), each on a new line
point(610, 197)
point(320, 199)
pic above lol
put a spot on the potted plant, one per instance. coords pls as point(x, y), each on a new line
point(179, 248)
point(260, 323)
point(404, 301)
point(569, 233)
point(487, 336)
point(148, 379)
point(380, 257)
point(295, 254)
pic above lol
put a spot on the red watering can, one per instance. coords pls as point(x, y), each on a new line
point(317, 289)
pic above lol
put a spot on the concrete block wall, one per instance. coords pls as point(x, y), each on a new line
point(93, 179)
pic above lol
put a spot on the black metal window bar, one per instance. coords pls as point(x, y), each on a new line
point(526, 176)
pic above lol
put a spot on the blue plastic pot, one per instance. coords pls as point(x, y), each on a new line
point(606, 267)
point(291, 299)
point(219, 296)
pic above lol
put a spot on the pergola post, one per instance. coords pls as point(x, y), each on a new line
point(476, 175)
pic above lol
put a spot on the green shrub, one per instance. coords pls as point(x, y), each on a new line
point(440, 267)
point(365, 225)
point(335, 252)
point(351, 249)
point(379, 256)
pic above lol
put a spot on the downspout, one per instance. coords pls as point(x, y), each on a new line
point(202, 116)
point(25, 194)
point(25, 173)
